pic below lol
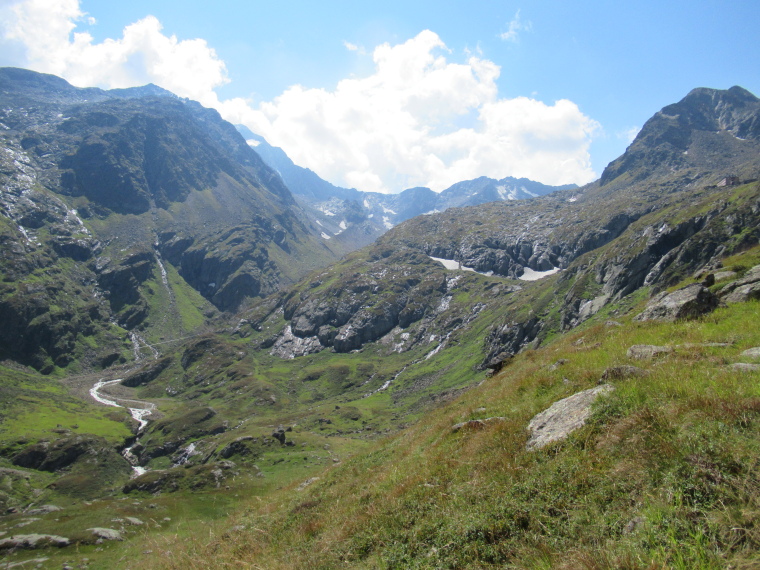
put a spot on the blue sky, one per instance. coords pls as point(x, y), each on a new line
point(384, 96)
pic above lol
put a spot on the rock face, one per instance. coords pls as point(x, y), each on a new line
point(688, 303)
point(667, 141)
point(563, 417)
point(242, 446)
point(744, 289)
point(106, 193)
point(392, 289)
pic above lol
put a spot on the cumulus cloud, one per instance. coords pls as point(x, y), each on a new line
point(418, 119)
point(421, 120)
point(39, 34)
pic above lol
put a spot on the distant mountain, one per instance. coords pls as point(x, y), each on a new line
point(357, 218)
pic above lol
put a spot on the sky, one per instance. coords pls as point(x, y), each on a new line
point(390, 95)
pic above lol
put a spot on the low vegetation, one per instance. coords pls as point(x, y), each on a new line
point(663, 475)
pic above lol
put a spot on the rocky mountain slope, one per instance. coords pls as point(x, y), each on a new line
point(557, 382)
point(131, 209)
point(607, 239)
point(353, 218)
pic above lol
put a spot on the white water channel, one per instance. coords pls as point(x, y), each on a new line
point(139, 414)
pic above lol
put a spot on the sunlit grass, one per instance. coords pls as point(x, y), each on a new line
point(662, 476)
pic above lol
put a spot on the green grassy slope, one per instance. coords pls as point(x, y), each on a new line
point(663, 475)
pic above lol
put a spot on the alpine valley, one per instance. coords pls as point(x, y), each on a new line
point(213, 358)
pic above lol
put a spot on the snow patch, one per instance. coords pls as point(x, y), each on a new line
point(325, 236)
point(253, 143)
point(387, 222)
point(454, 265)
point(447, 263)
point(531, 275)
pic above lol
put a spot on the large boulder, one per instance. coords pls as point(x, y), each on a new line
point(563, 417)
point(689, 302)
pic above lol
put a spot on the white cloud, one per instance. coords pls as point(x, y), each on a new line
point(421, 120)
point(40, 35)
point(350, 47)
point(515, 27)
point(417, 120)
point(629, 134)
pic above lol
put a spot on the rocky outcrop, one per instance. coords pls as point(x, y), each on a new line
point(242, 446)
point(230, 265)
point(647, 351)
point(753, 353)
point(507, 340)
point(101, 533)
point(563, 417)
point(689, 302)
point(393, 290)
point(148, 373)
point(121, 284)
point(59, 454)
point(31, 541)
point(210, 475)
point(744, 289)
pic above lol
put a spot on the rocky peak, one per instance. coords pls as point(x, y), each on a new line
point(727, 122)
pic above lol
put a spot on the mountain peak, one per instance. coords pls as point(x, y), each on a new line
point(675, 136)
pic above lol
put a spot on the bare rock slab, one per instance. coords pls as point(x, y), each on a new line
point(647, 351)
point(689, 302)
point(106, 533)
point(753, 353)
point(33, 541)
point(563, 417)
point(744, 367)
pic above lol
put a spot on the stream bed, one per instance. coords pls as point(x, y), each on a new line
point(140, 414)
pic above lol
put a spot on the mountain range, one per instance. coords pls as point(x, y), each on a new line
point(565, 381)
point(365, 216)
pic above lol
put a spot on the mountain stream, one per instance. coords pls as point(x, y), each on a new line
point(138, 413)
